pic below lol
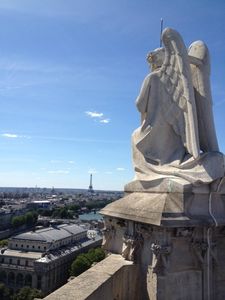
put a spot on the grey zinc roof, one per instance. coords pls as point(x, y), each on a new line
point(73, 229)
point(50, 234)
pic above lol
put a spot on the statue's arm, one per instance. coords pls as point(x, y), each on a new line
point(142, 99)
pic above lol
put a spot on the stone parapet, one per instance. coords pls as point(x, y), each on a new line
point(112, 278)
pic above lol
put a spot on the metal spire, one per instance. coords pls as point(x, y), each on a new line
point(161, 29)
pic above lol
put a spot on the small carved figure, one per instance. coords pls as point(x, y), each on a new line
point(132, 247)
point(128, 246)
point(160, 258)
point(108, 234)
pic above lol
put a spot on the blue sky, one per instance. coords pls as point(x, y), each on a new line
point(70, 71)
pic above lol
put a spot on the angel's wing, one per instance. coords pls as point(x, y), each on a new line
point(175, 75)
point(200, 69)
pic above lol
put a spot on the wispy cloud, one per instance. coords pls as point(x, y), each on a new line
point(71, 162)
point(14, 136)
point(105, 121)
point(10, 135)
point(97, 115)
point(120, 169)
point(94, 114)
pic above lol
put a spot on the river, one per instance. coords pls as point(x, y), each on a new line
point(90, 216)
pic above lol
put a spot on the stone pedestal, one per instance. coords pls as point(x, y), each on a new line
point(176, 234)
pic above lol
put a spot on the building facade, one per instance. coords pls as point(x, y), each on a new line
point(41, 259)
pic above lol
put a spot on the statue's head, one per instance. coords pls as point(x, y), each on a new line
point(156, 58)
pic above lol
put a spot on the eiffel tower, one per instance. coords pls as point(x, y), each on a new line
point(90, 189)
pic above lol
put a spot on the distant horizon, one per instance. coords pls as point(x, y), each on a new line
point(56, 188)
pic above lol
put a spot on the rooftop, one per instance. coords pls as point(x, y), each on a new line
point(50, 234)
point(22, 254)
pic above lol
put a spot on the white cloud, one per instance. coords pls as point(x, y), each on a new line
point(58, 172)
point(120, 169)
point(71, 162)
point(105, 121)
point(92, 171)
point(94, 114)
point(97, 115)
point(10, 135)
point(14, 136)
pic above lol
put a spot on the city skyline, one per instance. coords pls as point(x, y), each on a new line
point(69, 75)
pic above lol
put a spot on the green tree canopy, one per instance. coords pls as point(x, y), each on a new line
point(85, 260)
point(27, 293)
point(30, 218)
point(18, 221)
point(3, 243)
point(80, 264)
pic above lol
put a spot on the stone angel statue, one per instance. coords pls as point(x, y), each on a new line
point(177, 135)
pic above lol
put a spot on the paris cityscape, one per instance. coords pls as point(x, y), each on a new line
point(42, 231)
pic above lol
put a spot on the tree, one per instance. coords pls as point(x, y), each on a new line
point(62, 213)
point(18, 221)
point(4, 292)
point(84, 261)
point(29, 218)
point(3, 243)
point(74, 207)
point(91, 255)
point(99, 254)
point(27, 293)
point(44, 212)
point(80, 264)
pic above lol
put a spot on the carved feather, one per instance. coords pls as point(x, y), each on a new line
point(175, 77)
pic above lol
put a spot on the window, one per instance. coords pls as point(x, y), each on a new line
point(18, 262)
point(16, 245)
point(27, 246)
point(10, 261)
point(26, 263)
point(22, 246)
point(33, 246)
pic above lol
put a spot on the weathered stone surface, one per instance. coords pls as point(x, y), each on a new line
point(138, 207)
point(169, 209)
point(185, 285)
point(112, 278)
